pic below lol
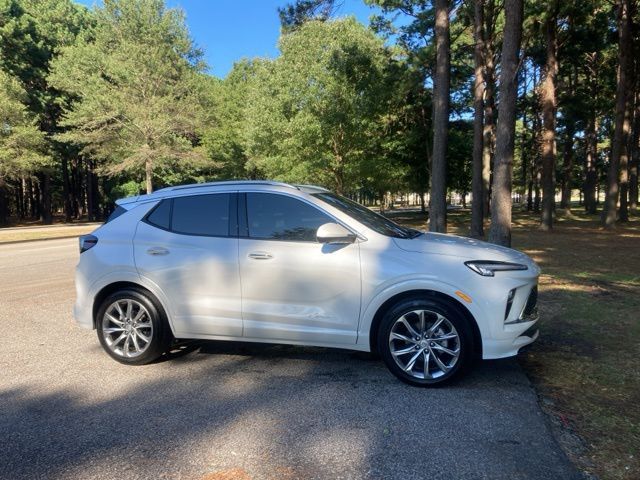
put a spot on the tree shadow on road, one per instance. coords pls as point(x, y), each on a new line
point(275, 411)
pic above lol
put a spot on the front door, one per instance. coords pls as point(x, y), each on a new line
point(294, 288)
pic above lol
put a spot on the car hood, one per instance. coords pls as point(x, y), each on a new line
point(462, 247)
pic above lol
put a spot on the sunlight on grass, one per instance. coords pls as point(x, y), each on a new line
point(45, 233)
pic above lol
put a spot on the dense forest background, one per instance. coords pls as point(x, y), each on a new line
point(490, 100)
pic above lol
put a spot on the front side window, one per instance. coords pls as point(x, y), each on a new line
point(195, 215)
point(278, 217)
point(374, 221)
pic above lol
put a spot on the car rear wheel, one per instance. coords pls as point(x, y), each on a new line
point(425, 342)
point(131, 329)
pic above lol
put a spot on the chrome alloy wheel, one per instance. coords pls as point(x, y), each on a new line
point(424, 344)
point(127, 328)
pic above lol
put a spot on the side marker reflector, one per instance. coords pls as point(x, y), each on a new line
point(464, 296)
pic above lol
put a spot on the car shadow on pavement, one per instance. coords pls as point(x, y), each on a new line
point(277, 411)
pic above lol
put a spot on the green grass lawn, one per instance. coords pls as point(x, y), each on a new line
point(586, 363)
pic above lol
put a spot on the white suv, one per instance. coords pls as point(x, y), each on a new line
point(277, 263)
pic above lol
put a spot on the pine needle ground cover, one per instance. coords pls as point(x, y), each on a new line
point(586, 363)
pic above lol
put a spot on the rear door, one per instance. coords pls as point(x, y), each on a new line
point(294, 288)
point(188, 246)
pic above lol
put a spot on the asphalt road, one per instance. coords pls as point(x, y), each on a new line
point(239, 411)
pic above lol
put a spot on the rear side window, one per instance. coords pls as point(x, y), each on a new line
point(201, 215)
point(161, 215)
point(278, 217)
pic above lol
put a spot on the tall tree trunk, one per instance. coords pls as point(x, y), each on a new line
point(30, 195)
point(45, 196)
point(477, 184)
point(626, 153)
point(4, 207)
point(536, 165)
point(618, 148)
point(548, 101)
point(92, 192)
point(524, 157)
point(438, 207)
point(500, 231)
point(78, 191)
point(66, 187)
point(37, 199)
point(537, 197)
point(634, 161)
point(567, 168)
point(148, 173)
point(590, 174)
point(22, 196)
point(623, 214)
point(489, 130)
point(15, 186)
point(524, 154)
point(569, 151)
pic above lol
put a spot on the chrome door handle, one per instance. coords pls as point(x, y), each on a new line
point(157, 251)
point(260, 256)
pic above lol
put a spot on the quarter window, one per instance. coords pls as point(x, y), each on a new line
point(116, 213)
point(161, 215)
point(278, 217)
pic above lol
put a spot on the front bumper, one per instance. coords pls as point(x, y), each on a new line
point(519, 332)
point(493, 349)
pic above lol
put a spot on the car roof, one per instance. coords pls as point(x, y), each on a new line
point(179, 190)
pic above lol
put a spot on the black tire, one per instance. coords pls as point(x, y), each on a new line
point(463, 344)
point(160, 333)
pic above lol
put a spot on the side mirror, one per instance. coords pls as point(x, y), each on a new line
point(334, 234)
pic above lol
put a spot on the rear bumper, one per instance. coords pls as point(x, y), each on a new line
point(83, 315)
point(82, 308)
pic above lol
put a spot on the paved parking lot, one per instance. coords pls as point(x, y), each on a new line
point(220, 411)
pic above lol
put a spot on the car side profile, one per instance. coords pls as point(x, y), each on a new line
point(262, 261)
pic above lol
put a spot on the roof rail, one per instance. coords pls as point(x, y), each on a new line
point(227, 183)
point(311, 188)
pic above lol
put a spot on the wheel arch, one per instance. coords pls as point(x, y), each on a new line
point(421, 293)
point(113, 287)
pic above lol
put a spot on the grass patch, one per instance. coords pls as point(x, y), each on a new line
point(44, 233)
point(586, 363)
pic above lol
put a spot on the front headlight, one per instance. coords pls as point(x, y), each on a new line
point(488, 268)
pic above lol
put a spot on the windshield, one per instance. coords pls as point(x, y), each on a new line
point(367, 217)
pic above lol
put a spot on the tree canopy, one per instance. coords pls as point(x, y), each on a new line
point(314, 115)
point(135, 82)
point(106, 101)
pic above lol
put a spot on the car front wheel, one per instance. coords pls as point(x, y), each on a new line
point(425, 342)
point(131, 329)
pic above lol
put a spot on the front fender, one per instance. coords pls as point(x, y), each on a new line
point(414, 283)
